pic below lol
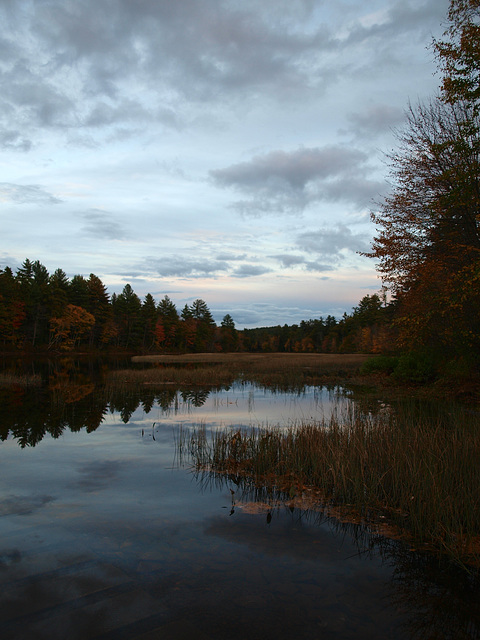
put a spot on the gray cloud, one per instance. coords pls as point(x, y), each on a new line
point(102, 225)
point(183, 266)
point(13, 141)
point(329, 243)
point(286, 182)
point(88, 64)
point(79, 64)
point(328, 246)
point(288, 260)
point(250, 270)
point(400, 19)
point(26, 194)
point(23, 505)
point(374, 121)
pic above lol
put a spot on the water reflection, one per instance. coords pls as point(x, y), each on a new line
point(102, 536)
point(29, 414)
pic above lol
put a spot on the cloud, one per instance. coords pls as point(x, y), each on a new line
point(23, 505)
point(288, 260)
point(88, 64)
point(398, 20)
point(13, 141)
point(181, 266)
point(26, 194)
point(374, 121)
point(230, 256)
point(75, 65)
point(287, 182)
point(323, 250)
point(249, 270)
point(330, 243)
point(101, 224)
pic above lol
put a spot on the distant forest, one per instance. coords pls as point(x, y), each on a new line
point(43, 311)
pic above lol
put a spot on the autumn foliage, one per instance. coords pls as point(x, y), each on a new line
point(428, 228)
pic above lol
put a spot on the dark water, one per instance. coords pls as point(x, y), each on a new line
point(104, 535)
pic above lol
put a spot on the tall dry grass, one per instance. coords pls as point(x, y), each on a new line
point(421, 475)
point(284, 370)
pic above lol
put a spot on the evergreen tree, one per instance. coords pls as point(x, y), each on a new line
point(98, 304)
point(149, 315)
point(12, 309)
point(167, 328)
point(78, 294)
point(228, 334)
point(127, 317)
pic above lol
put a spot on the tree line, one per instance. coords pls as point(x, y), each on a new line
point(43, 311)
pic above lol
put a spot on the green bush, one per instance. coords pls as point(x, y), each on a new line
point(379, 364)
point(415, 368)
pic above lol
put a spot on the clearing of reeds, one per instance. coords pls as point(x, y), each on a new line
point(420, 476)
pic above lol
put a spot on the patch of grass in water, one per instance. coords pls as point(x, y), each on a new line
point(418, 473)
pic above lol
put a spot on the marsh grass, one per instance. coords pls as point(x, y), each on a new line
point(200, 376)
point(417, 473)
point(282, 370)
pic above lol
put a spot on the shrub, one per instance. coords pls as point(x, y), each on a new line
point(415, 368)
point(379, 364)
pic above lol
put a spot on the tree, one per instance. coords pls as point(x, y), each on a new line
point(127, 309)
point(98, 304)
point(12, 308)
point(228, 334)
point(205, 325)
point(428, 234)
point(459, 54)
point(34, 279)
point(67, 331)
point(59, 285)
point(428, 229)
point(167, 327)
point(149, 320)
point(198, 327)
point(78, 294)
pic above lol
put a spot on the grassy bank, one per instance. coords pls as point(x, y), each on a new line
point(270, 369)
point(419, 476)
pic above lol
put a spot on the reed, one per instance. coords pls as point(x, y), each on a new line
point(202, 376)
point(283, 370)
point(417, 473)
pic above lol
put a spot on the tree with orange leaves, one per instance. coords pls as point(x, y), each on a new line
point(428, 228)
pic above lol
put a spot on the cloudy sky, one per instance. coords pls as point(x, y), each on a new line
point(228, 150)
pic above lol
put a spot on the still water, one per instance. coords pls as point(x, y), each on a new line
point(103, 534)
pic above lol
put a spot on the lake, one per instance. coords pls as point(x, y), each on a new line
point(105, 533)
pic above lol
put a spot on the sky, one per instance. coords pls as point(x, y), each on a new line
point(228, 150)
